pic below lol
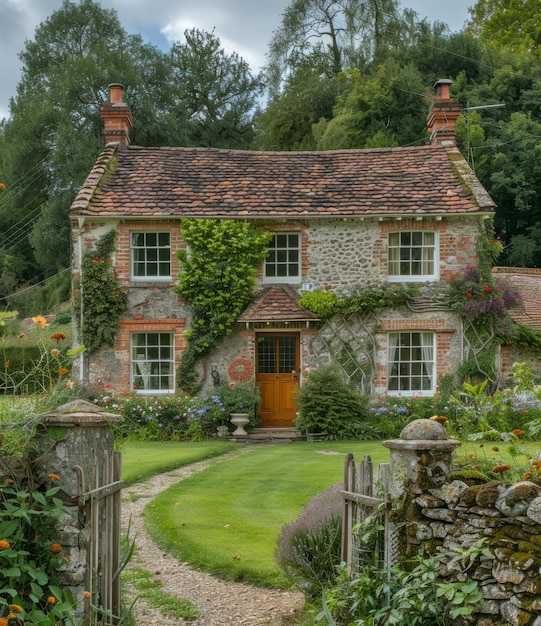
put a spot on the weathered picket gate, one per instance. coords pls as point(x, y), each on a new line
point(102, 507)
point(359, 504)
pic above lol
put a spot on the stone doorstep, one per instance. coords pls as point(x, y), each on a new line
point(268, 435)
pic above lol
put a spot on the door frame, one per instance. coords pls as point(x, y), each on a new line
point(282, 419)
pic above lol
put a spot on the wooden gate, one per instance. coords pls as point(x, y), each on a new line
point(102, 510)
point(360, 504)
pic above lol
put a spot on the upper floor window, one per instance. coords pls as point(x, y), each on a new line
point(283, 262)
point(151, 256)
point(152, 363)
point(411, 363)
point(413, 256)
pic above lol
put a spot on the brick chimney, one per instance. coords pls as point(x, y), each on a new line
point(117, 119)
point(443, 114)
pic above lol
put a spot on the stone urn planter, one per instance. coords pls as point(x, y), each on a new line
point(240, 420)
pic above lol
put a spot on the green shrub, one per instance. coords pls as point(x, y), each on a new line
point(308, 551)
point(326, 405)
point(324, 304)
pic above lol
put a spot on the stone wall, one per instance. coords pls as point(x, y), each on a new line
point(454, 514)
point(72, 443)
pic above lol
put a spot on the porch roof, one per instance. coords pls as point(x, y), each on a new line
point(276, 304)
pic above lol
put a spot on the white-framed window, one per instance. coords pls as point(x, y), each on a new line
point(151, 255)
point(411, 363)
point(283, 261)
point(152, 362)
point(413, 256)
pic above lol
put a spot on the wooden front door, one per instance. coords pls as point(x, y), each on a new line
point(277, 374)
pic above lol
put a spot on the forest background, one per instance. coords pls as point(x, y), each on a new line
point(340, 74)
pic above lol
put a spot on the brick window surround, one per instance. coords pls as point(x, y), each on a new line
point(413, 255)
point(283, 262)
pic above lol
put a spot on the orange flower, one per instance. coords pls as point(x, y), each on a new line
point(11, 616)
point(8, 481)
point(58, 336)
point(53, 476)
point(2, 186)
point(51, 600)
point(495, 449)
point(517, 432)
point(15, 608)
point(527, 475)
point(4, 545)
point(500, 469)
point(3, 621)
point(63, 371)
point(20, 336)
point(56, 548)
point(69, 384)
point(536, 464)
point(86, 594)
point(39, 319)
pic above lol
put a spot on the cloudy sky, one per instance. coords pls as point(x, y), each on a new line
point(243, 26)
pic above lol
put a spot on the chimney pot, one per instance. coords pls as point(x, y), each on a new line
point(441, 88)
point(115, 91)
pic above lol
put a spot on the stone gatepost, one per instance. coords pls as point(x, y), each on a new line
point(75, 439)
point(420, 462)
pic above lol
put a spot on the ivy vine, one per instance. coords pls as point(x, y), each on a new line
point(217, 277)
point(101, 296)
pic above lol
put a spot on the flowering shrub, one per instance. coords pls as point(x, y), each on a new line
point(151, 418)
point(474, 297)
point(159, 418)
point(28, 558)
point(390, 416)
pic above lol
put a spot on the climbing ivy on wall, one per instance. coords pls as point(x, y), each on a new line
point(218, 270)
point(101, 296)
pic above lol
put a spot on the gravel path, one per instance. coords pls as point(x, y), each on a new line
point(221, 603)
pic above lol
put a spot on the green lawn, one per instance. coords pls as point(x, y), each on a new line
point(143, 459)
point(226, 519)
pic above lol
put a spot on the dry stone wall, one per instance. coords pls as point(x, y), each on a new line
point(444, 512)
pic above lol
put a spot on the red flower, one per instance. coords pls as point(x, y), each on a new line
point(469, 294)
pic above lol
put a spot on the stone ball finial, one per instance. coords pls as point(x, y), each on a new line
point(422, 430)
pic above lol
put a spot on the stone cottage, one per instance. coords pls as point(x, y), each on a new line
point(341, 221)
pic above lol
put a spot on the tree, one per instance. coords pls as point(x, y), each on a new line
point(288, 122)
point(216, 91)
point(387, 109)
point(505, 24)
point(54, 133)
point(330, 35)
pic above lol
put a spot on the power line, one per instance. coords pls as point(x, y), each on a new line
point(67, 269)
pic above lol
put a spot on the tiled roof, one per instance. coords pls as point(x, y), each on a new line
point(274, 304)
point(207, 182)
point(528, 283)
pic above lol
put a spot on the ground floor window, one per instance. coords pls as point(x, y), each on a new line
point(152, 362)
point(411, 363)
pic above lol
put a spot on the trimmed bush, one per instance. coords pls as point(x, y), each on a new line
point(328, 406)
